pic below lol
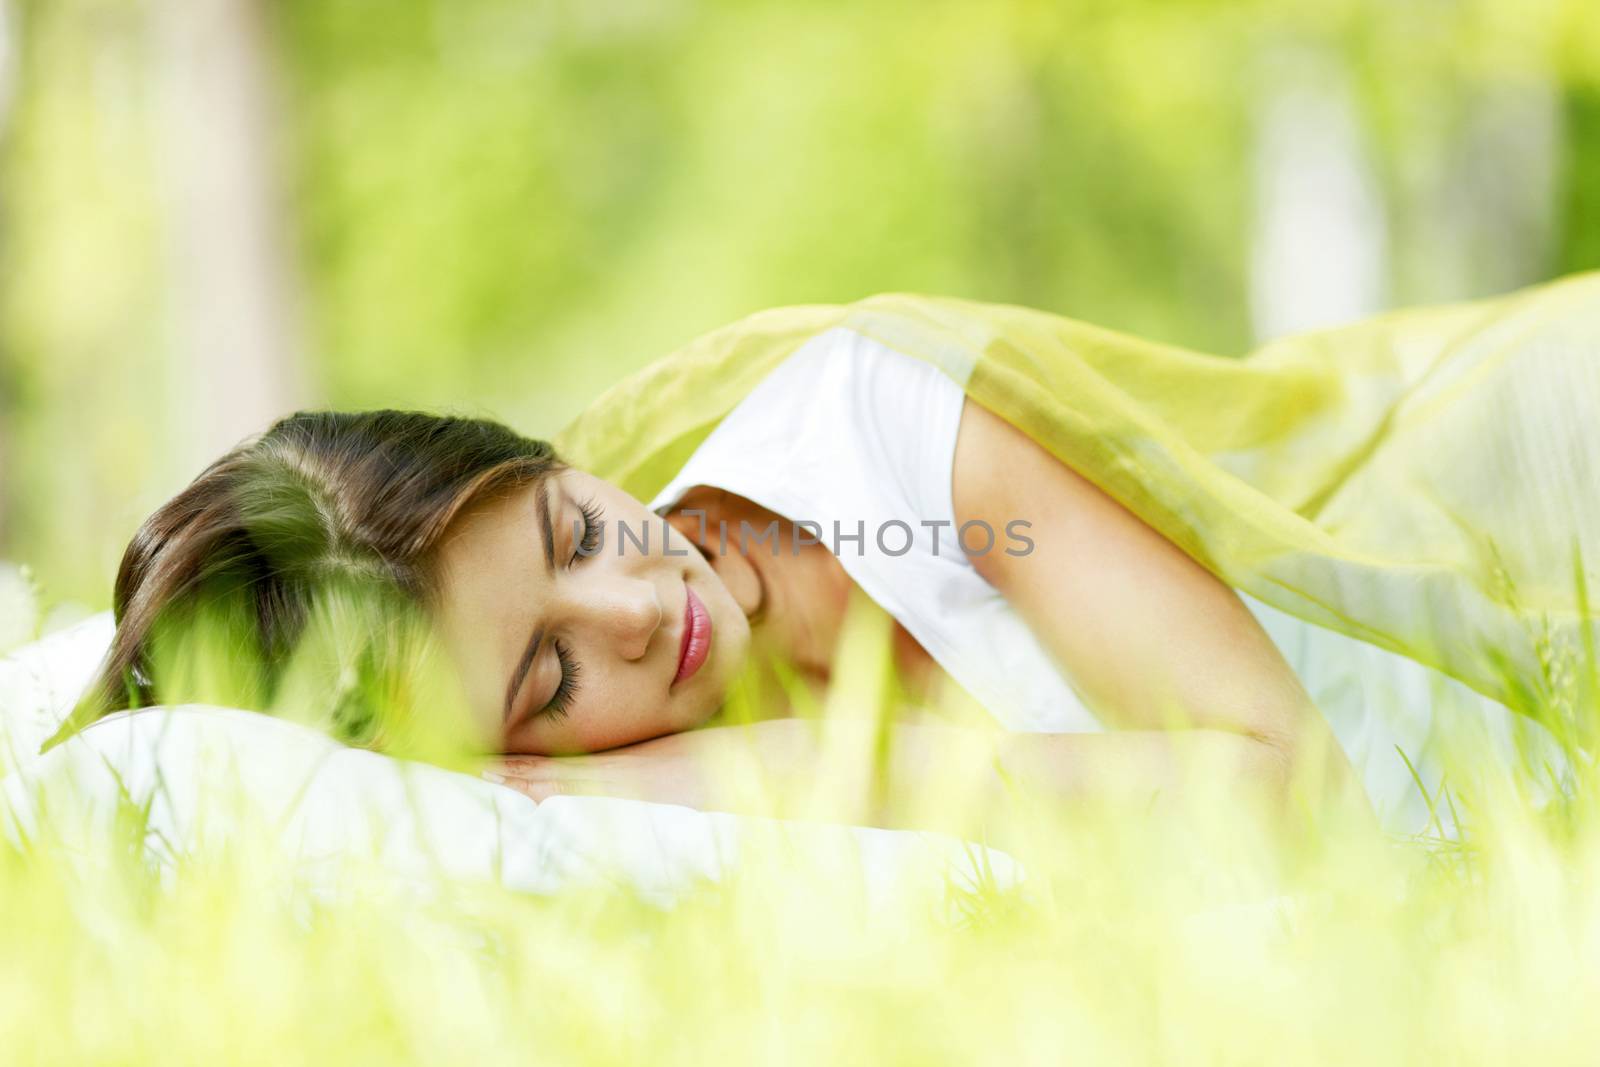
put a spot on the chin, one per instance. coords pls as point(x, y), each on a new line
point(701, 707)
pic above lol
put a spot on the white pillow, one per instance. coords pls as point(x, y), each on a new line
point(40, 682)
point(204, 772)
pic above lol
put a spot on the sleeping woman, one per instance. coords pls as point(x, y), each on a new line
point(905, 458)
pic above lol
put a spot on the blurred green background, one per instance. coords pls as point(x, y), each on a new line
point(215, 211)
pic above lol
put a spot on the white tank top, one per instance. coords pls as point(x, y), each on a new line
point(849, 431)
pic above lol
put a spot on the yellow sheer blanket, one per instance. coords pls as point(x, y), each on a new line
point(1427, 480)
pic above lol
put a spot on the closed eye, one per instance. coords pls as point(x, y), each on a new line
point(592, 528)
point(567, 688)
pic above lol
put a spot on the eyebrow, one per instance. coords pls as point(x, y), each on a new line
point(542, 497)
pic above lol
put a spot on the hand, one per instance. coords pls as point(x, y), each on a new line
point(720, 768)
point(785, 768)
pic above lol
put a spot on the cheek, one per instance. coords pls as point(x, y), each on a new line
point(611, 715)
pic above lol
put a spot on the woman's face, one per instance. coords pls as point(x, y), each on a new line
point(573, 638)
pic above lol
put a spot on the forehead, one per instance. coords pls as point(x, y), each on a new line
point(504, 520)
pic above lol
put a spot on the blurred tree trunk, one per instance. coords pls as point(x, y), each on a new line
point(238, 363)
point(1319, 250)
point(1468, 209)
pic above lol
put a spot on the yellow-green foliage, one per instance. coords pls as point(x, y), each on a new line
point(1189, 936)
point(503, 206)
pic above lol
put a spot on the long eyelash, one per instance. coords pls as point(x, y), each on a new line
point(593, 526)
point(568, 686)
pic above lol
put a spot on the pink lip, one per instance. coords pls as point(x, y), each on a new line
point(696, 641)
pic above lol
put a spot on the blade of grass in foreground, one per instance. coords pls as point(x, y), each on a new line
point(1131, 939)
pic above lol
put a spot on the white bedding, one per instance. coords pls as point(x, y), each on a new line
point(205, 771)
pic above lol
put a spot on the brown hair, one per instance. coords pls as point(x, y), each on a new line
point(323, 511)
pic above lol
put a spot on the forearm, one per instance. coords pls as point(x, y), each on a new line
point(916, 776)
point(1162, 770)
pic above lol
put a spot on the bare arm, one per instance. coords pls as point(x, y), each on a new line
point(939, 777)
point(1157, 645)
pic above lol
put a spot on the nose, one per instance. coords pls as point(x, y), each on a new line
point(625, 612)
